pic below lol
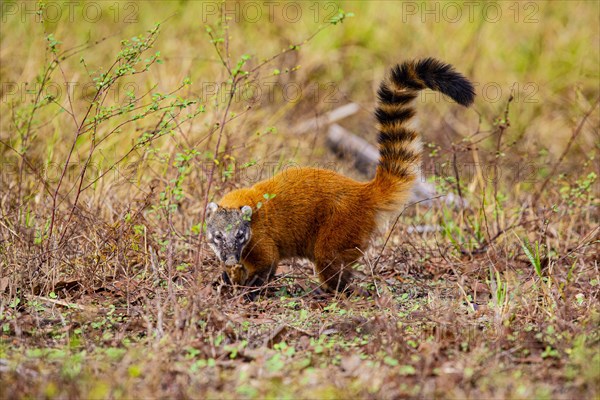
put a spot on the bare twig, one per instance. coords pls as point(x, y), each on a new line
point(387, 239)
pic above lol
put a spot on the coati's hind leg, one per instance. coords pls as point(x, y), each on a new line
point(338, 246)
point(334, 269)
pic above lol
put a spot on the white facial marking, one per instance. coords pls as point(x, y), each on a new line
point(216, 251)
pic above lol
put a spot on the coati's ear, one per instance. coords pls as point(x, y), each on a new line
point(211, 208)
point(246, 213)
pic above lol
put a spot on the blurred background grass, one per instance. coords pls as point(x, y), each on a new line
point(547, 51)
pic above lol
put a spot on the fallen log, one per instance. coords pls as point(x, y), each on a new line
point(347, 145)
point(326, 119)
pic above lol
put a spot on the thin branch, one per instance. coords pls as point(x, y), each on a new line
point(394, 226)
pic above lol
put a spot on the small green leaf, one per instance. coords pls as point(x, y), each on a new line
point(407, 370)
point(390, 361)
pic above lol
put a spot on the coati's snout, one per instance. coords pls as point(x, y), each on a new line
point(228, 232)
point(231, 260)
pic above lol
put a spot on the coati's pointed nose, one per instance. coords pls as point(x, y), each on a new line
point(231, 260)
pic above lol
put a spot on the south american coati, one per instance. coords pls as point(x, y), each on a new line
point(319, 214)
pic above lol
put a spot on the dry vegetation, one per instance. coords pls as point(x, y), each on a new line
point(107, 291)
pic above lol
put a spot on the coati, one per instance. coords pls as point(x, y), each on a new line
point(319, 214)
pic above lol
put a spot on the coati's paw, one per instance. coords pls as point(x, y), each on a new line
point(251, 294)
point(320, 293)
point(356, 291)
point(349, 290)
point(231, 279)
point(235, 274)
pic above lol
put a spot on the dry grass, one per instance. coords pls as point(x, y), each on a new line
point(101, 291)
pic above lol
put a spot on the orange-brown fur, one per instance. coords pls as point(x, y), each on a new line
point(328, 218)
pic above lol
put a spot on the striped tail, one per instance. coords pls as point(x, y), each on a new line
point(400, 147)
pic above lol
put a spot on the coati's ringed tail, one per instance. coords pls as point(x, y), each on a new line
point(399, 146)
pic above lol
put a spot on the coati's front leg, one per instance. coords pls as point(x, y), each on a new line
point(239, 275)
point(256, 282)
point(257, 266)
point(235, 274)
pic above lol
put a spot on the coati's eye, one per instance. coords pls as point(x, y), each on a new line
point(218, 236)
point(239, 235)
